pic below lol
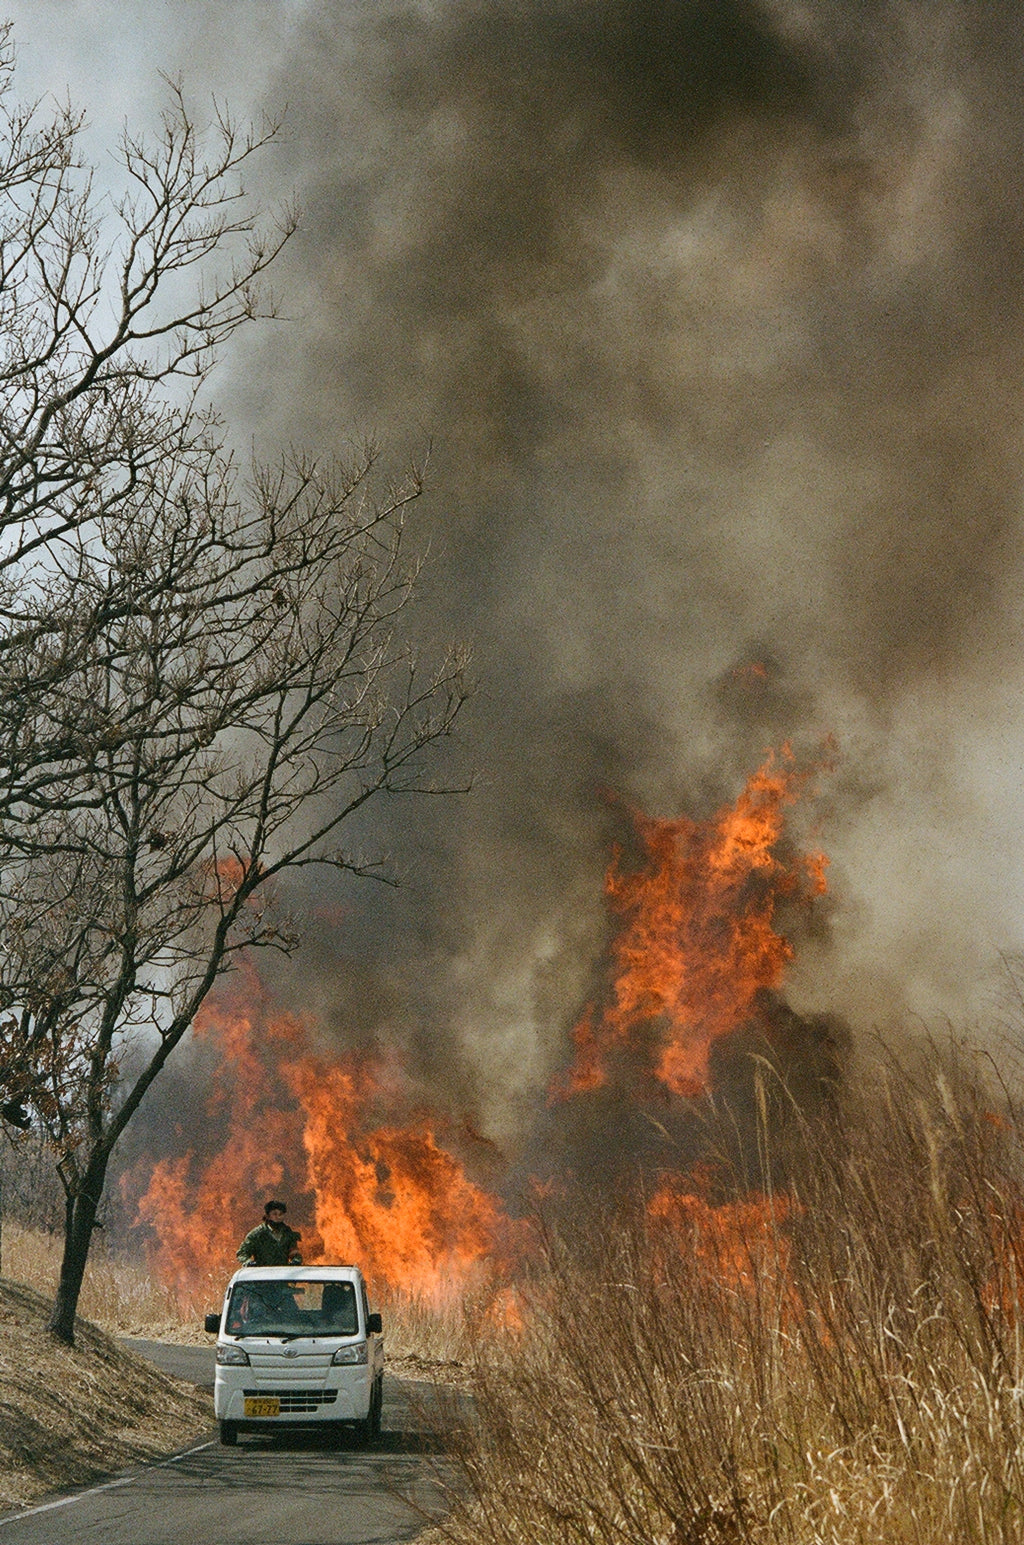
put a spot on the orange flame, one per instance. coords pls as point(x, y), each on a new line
point(697, 945)
point(740, 1246)
point(387, 1196)
point(199, 1213)
point(698, 942)
point(1002, 1293)
point(391, 1198)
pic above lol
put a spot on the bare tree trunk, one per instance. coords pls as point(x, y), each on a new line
point(79, 1222)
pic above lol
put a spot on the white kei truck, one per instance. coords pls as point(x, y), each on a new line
point(297, 1346)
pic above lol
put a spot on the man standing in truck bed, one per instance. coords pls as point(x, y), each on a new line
point(272, 1242)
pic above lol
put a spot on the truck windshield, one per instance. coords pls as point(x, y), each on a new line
point(300, 1306)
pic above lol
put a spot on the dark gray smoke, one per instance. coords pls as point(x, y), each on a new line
point(711, 316)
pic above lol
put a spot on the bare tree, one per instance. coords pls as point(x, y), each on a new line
point(277, 701)
point(106, 347)
point(202, 678)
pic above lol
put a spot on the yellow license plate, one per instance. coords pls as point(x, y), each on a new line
point(264, 1405)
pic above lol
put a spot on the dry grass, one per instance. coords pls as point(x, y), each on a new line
point(848, 1373)
point(428, 1338)
point(844, 1369)
point(120, 1295)
point(71, 1414)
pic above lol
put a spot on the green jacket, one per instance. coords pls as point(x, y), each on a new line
point(264, 1246)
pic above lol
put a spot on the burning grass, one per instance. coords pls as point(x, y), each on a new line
point(427, 1335)
point(365, 1187)
point(807, 1327)
point(697, 943)
point(837, 1367)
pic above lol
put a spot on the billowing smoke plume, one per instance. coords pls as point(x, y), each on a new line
point(709, 312)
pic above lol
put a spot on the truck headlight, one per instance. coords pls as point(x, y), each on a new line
point(231, 1356)
point(352, 1354)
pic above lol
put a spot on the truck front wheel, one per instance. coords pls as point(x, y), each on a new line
point(368, 1429)
point(229, 1433)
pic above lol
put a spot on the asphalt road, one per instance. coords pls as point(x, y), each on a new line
point(282, 1489)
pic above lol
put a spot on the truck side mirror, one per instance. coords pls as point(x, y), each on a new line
point(374, 1323)
point(212, 1324)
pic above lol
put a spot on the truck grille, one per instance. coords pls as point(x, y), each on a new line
point(295, 1400)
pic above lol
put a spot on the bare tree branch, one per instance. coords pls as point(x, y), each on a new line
point(203, 677)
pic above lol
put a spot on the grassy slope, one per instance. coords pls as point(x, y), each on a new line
point(71, 1414)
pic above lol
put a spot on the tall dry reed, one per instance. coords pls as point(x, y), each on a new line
point(839, 1366)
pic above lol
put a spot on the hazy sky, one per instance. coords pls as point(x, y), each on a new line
point(712, 316)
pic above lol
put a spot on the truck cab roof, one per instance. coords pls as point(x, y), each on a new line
point(289, 1273)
